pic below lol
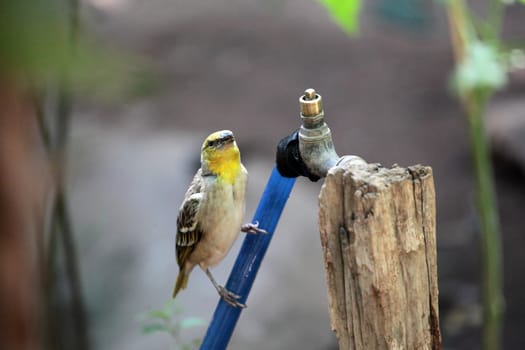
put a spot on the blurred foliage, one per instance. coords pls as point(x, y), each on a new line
point(36, 42)
point(345, 13)
point(167, 320)
point(482, 67)
point(33, 36)
point(480, 71)
point(410, 13)
point(44, 49)
point(516, 59)
point(483, 60)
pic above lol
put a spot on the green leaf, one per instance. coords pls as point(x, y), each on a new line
point(191, 322)
point(169, 310)
point(482, 68)
point(162, 314)
point(344, 13)
point(154, 328)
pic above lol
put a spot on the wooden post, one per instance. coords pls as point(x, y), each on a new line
point(378, 236)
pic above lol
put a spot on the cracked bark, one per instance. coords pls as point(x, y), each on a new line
point(378, 236)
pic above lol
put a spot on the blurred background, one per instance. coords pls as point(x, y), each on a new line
point(192, 67)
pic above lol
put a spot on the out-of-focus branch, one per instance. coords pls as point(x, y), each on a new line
point(61, 229)
point(19, 196)
point(474, 101)
point(457, 20)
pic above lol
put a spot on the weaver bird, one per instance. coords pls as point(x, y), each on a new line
point(211, 214)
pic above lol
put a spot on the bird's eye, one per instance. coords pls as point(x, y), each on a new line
point(212, 143)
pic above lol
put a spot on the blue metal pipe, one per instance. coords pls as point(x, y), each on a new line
point(249, 260)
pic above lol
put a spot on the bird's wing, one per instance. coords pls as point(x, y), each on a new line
point(188, 231)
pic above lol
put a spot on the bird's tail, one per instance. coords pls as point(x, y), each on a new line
point(182, 281)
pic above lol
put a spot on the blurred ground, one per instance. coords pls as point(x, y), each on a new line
point(242, 65)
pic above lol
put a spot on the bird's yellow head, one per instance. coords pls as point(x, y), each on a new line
point(220, 156)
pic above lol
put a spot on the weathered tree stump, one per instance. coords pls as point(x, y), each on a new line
point(378, 235)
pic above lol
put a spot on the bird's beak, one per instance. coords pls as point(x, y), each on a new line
point(227, 140)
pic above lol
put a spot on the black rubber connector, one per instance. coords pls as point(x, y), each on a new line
point(288, 158)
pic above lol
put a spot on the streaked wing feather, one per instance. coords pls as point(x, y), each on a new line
point(188, 230)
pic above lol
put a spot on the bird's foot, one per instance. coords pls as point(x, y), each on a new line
point(253, 228)
point(230, 298)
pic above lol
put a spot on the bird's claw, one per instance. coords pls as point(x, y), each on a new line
point(253, 228)
point(230, 297)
